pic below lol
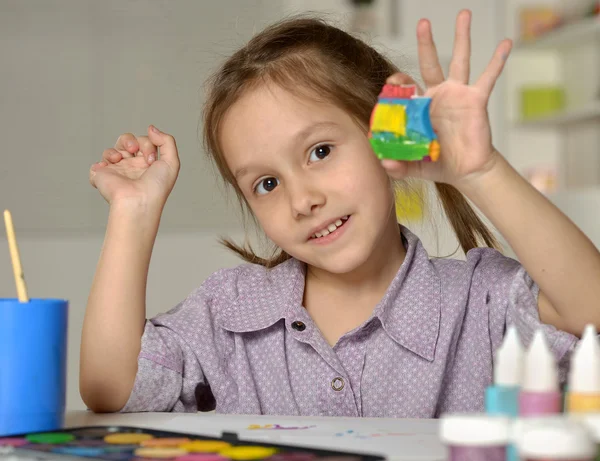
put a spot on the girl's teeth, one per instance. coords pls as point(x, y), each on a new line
point(331, 227)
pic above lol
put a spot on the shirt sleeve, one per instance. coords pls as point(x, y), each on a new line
point(169, 376)
point(512, 298)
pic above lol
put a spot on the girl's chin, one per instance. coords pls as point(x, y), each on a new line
point(343, 263)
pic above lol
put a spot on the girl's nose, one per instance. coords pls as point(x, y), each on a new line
point(305, 200)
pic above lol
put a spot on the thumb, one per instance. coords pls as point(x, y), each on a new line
point(166, 144)
point(400, 78)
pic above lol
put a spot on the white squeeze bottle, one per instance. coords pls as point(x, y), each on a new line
point(540, 394)
point(583, 394)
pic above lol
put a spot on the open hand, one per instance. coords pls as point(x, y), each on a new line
point(458, 110)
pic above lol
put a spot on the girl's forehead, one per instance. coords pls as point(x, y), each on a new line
point(274, 101)
point(271, 114)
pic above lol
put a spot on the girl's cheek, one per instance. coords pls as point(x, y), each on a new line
point(356, 177)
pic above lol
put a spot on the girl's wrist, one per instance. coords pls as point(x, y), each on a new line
point(495, 173)
point(136, 207)
point(143, 216)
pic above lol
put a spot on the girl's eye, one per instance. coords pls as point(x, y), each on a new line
point(266, 185)
point(320, 152)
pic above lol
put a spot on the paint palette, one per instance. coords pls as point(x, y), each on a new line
point(122, 443)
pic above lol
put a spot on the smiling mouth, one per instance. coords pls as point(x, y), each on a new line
point(330, 229)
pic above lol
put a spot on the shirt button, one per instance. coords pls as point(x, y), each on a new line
point(298, 325)
point(337, 384)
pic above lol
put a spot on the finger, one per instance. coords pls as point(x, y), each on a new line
point(413, 169)
point(429, 62)
point(400, 78)
point(127, 144)
point(112, 156)
point(147, 149)
point(167, 146)
point(461, 54)
point(95, 167)
point(493, 70)
point(395, 169)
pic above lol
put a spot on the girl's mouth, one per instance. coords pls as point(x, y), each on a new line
point(330, 231)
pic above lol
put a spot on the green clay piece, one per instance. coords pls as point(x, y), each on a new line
point(389, 150)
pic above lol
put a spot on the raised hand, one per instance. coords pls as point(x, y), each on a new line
point(458, 110)
point(134, 171)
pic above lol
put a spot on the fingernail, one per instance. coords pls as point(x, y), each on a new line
point(156, 130)
point(151, 158)
point(129, 143)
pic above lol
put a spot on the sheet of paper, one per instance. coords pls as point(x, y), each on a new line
point(398, 439)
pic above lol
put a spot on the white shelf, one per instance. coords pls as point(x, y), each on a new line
point(568, 34)
point(589, 112)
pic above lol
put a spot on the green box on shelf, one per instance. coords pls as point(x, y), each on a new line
point(541, 101)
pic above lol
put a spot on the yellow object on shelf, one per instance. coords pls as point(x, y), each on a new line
point(541, 101)
point(410, 202)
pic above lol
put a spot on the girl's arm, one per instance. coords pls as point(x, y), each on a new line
point(116, 309)
point(557, 255)
point(136, 182)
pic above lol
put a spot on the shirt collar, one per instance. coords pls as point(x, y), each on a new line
point(409, 311)
point(264, 296)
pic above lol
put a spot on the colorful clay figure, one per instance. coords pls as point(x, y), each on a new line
point(400, 125)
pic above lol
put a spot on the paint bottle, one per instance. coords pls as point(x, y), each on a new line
point(540, 394)
point(556, 439)
point(519, 426)
point(584, 376)
point(592, 421)
point(475, 437)
point(502, 398)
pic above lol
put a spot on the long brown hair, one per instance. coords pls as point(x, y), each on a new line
point(315, 58)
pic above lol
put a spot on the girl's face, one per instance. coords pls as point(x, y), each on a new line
point(310, 177)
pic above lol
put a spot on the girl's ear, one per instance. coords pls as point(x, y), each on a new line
point(400, 78)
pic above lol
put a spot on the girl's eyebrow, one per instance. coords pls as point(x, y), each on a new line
point(304, 132)
point(240, 173)
point(296, 138)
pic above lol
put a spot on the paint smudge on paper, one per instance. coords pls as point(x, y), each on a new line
point(278, 427)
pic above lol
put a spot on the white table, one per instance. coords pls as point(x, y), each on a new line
point(397, 439)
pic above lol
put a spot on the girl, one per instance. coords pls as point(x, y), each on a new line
point(350, 316)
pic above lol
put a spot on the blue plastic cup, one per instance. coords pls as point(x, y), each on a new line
point(33, 365)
